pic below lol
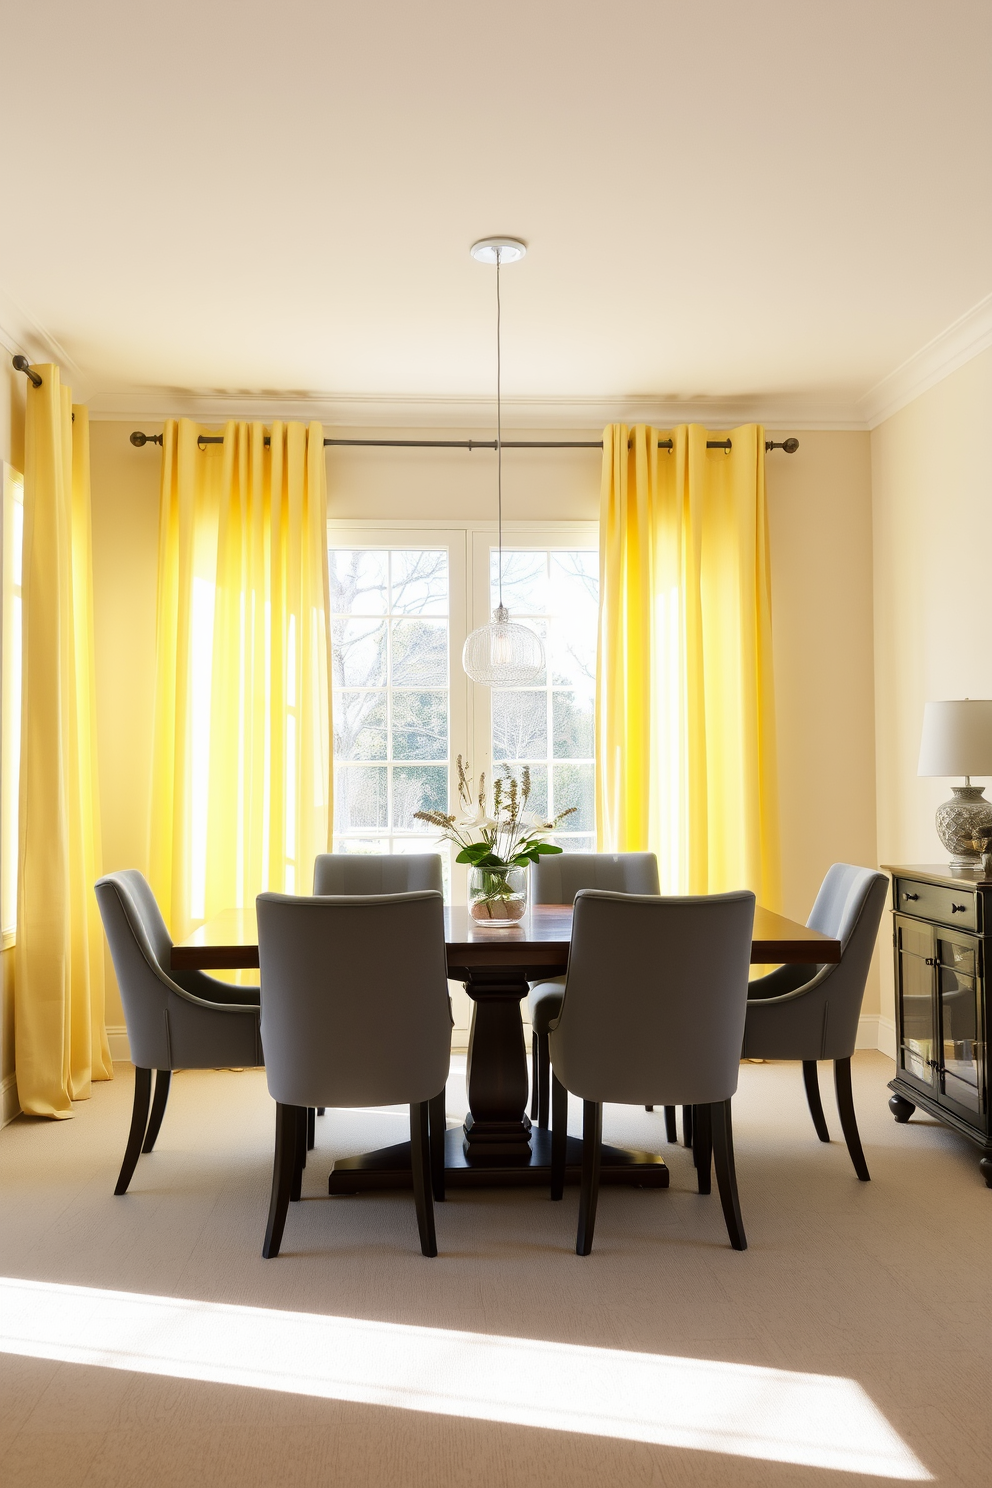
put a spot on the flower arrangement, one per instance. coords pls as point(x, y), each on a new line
point(510, 838)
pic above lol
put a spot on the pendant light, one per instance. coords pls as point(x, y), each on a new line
point(502, 653)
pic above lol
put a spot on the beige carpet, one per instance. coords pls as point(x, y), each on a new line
point(885, 1284)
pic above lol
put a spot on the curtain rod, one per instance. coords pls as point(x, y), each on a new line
point(138, 439)
point(789, 445)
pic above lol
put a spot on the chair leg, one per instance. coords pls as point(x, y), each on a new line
point(284, 1170)
point(299, 1152)
point(535, 1076)
point(311, 1128)
point(592, 1152)
point(163, 1079)
point(649, 1108)
point(848, 1120)
point(559, 1135)
point(702, 1147)
point(812, 1082)
point(671, 1130)
point(544, 1079)
point(438, 1126)
point(686, 1126)
point(726, 1173)
point(139, 1121)
point(420, 1162)
point(321, 1110)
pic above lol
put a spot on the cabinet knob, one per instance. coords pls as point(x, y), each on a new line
point(930, 960)
point(910, 896)
point(958, 908)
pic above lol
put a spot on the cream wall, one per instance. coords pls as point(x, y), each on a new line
point(820, 523)
point(932, 499)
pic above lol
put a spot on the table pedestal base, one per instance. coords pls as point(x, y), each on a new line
point(390, 1167)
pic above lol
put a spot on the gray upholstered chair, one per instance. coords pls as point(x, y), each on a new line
point(812, 1012)
point(653, 1013)
point(354, 1013)
point(376, 873)
point(175, 1019)
point(557, 879)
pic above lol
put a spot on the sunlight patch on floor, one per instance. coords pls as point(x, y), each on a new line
point(775, 1415)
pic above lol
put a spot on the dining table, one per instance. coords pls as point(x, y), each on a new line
point(497, 1143)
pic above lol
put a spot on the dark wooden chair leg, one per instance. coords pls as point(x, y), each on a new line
point(284, 1164)
point(544, 1079)
point(311, 1127)
point(321, 1110)
point(535, 1075)
point(702, 1147)
point(559, 1136)
point(812, 1082)
point(299, 1153)
point(592, 1151)
point(686, 1126)
point(139, 1121)
point(649, 1108)
point(438, 1126)
point(848, 1120)
point(726, 1173)
point(671, 1130)
point(163, 1079)
point(420, 1162)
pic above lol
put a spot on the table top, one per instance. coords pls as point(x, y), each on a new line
point(230, 940)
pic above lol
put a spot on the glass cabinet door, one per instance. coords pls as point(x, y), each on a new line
point(960, 1031)
point(917, 1042)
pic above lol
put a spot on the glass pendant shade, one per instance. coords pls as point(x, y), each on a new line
point(503, 654)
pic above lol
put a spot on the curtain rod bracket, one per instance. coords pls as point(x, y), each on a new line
point(21, 364)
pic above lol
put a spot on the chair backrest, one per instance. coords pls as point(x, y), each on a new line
point(376, 873)
point(655, 998)
point(139, 947)
point(558, 877)
point(355, 1005)
point(848, 908)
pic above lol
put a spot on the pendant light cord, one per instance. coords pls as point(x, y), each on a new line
point(499, 436)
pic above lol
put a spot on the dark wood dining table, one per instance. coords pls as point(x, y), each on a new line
point(497, 1144)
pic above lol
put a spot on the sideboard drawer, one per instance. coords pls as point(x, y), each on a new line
point(958, 907)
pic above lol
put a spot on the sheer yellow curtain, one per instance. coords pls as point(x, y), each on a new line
point(686, 757)
point(241, 797)
point(60, 1036)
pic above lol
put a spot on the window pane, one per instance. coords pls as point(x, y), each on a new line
point(417, 788)
point(574, 785)
point(420, 582)
point(360, 726)
point(360, 797)
point(359, 651)
point(525, 582)
point(520, 725)
point(572, 725)
point(359, 581)
point(420, 725)
point(420, 653)
point(361, 844)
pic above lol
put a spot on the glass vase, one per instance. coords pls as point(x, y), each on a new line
point(497, 896)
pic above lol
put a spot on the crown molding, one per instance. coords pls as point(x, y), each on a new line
point(963, 340)
point(22, 335)
point(393, 411)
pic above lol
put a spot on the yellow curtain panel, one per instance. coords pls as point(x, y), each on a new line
point(60, 1037)
point(241, 797)
point(686, 756)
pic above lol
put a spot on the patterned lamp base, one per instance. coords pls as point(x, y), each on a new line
point(961, 821)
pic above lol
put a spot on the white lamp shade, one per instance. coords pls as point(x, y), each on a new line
point(957, 738)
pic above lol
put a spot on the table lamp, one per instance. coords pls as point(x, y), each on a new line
point(957, 740)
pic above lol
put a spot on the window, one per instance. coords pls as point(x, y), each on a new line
point(10, 705)
point(550, 727)
point(390, 620)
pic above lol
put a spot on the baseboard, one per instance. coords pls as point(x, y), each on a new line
point(875, 1031)
point(120, 1049)
point(11, 1105)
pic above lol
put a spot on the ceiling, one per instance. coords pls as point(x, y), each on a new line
point(741, 202)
